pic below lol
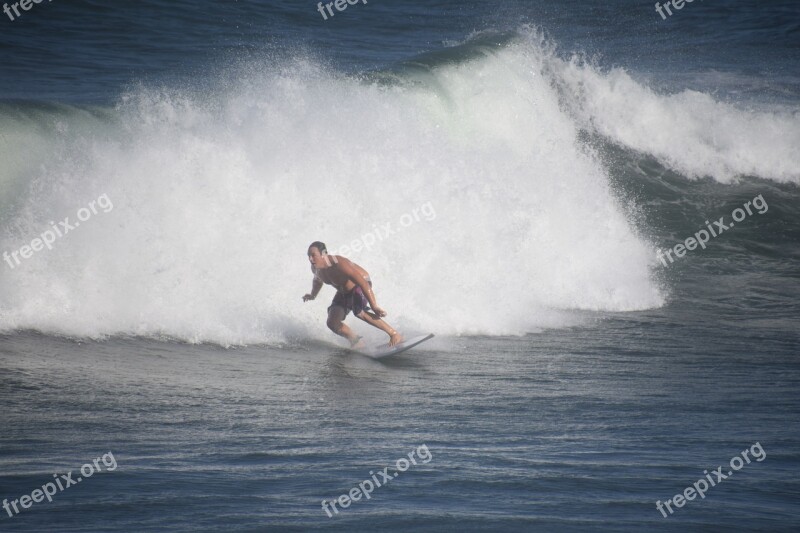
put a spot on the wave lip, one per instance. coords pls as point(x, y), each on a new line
point(689, 131)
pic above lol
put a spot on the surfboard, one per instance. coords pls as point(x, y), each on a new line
point(385, 350)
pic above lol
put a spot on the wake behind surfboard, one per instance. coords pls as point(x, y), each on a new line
point(385, 350)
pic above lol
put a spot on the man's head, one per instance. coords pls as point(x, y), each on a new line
point(317, 253)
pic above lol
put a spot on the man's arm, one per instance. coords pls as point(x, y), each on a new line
point(358, 279)
point(316, 285)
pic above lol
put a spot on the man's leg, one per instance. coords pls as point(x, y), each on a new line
point(375, 321)
point(336, 315)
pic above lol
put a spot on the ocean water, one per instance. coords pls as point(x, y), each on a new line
point(521, 178)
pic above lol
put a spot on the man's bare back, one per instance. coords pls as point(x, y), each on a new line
point(337, 276)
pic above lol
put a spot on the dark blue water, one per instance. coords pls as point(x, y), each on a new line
point(575, 379)
point(86, 51)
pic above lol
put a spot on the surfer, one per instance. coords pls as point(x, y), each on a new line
point(353, 293)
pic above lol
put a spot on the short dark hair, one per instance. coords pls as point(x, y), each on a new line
point(319, 246)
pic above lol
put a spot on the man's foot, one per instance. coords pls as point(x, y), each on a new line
point(395, 338)
point(357, 343)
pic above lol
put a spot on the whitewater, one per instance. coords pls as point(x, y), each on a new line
point(219, 188)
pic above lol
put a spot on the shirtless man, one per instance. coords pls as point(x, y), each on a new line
point(353, 293)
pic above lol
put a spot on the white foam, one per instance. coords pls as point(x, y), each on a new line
point(216, 199)
point(690, 132)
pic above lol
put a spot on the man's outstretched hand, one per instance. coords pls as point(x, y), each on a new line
point(378, 312)
point(307, 297)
